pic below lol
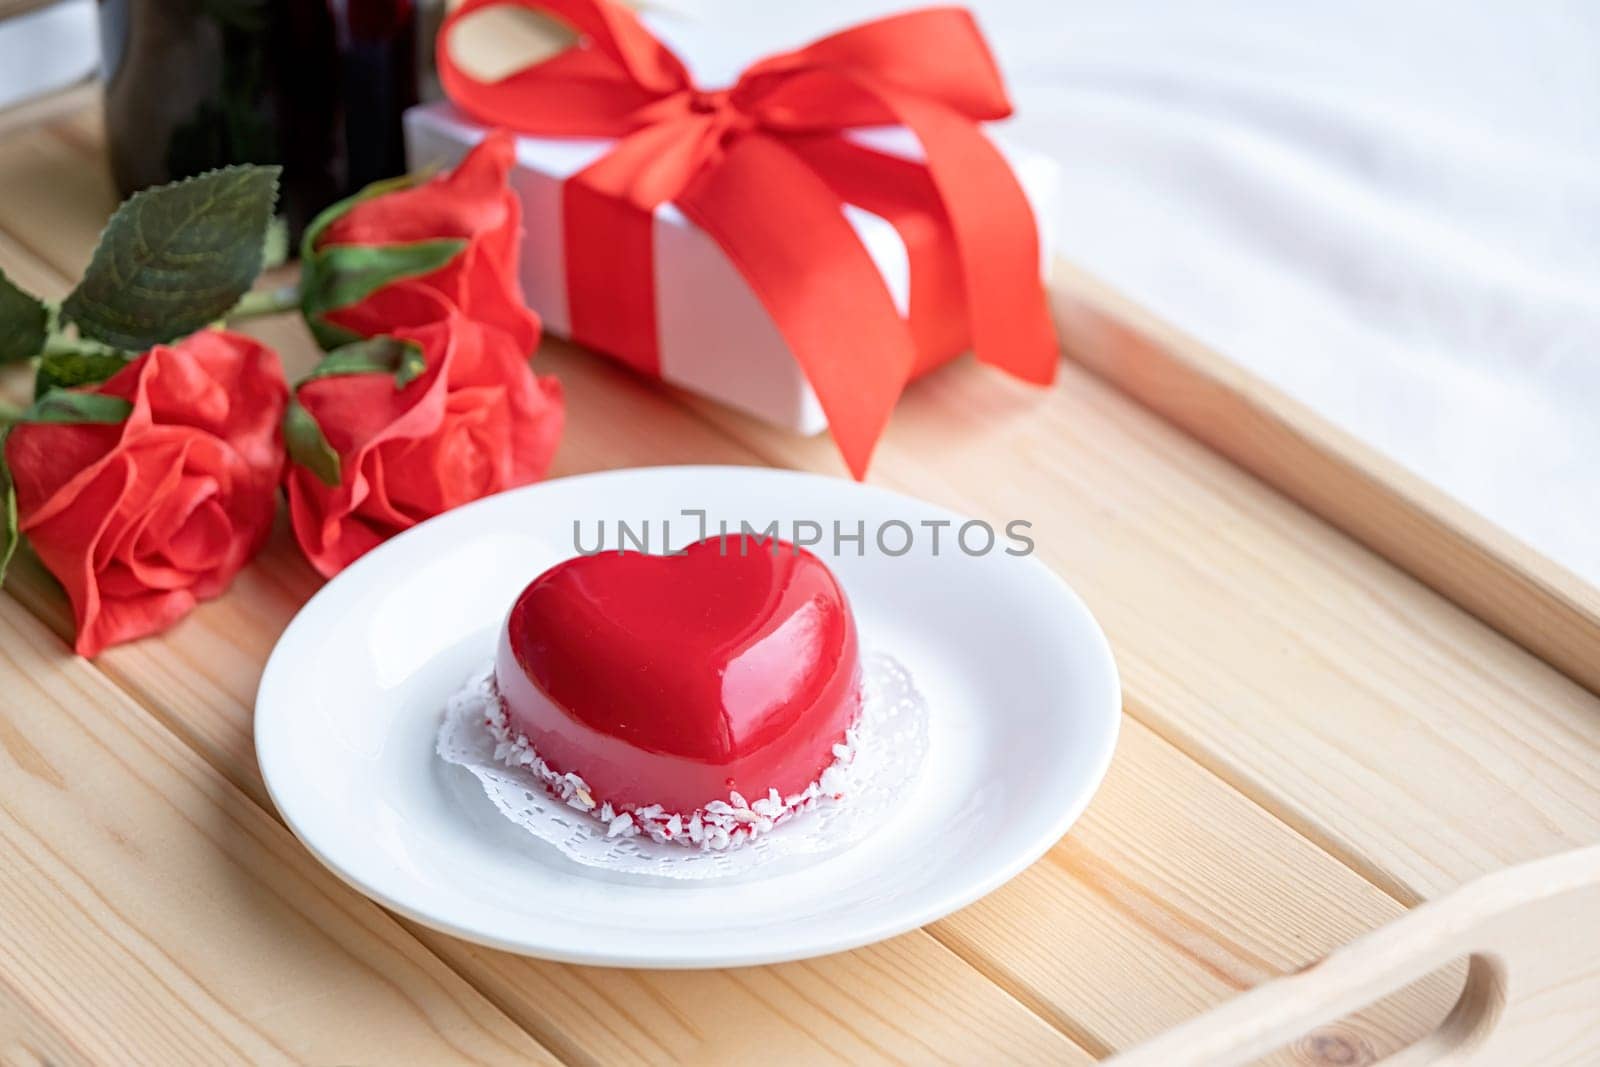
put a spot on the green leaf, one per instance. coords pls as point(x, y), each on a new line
point(67, 407)
point(307, 446)
point(341, 275)
point(65, 370)
point(175, 258)
point(10, 536)
point(375, 355)
point(24, 323)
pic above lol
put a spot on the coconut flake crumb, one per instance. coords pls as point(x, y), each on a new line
point(720, 824)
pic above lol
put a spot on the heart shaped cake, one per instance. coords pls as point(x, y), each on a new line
point(702, 697)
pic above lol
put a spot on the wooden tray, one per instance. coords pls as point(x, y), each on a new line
point(1314, 743)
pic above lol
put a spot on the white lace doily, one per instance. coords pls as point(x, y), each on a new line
point(891, 740)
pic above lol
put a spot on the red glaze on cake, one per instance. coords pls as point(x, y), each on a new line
point(675, 680)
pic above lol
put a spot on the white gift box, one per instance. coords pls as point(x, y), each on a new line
point(715, 337)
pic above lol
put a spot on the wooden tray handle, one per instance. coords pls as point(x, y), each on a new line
point(1532, 995)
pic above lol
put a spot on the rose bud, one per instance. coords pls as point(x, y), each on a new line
point(142, 518)
point(367, 260)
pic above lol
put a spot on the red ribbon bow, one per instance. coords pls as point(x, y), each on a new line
point(750, 166)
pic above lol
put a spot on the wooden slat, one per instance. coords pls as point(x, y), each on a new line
point(150, 910)
point(1528, 597)
point(1158, 905)
point(905, 1000)
point(202, 677)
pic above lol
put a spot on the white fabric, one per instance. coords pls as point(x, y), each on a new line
point(1391, 211)
point(46, 50)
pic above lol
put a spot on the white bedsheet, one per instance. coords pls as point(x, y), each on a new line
point(1392, 211)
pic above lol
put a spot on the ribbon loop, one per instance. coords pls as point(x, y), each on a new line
point(936, 53)
point(736, 161)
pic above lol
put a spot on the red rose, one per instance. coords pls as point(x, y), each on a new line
point(475, 204)
point(474, 422)
point(142, 519)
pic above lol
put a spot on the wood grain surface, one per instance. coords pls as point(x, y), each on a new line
point(154, 912)
point(1315, 740)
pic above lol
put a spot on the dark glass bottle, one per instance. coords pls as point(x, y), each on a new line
point(316, 85)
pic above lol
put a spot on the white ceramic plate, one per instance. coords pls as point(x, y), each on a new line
point(1023, 698)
